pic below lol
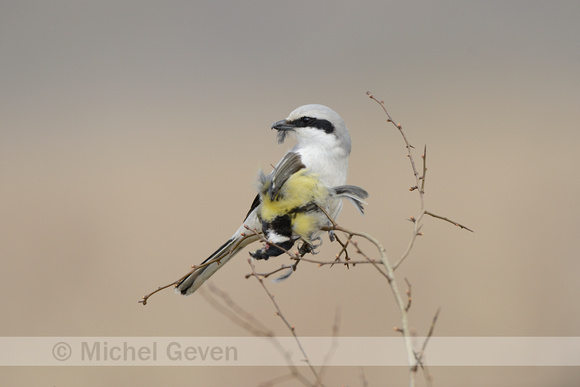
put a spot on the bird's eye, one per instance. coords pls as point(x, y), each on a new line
point(307, 120)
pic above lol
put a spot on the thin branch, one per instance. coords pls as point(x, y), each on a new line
point(334, 346)
point(194, 268)
point(229, 308)
point(364, 381)
point(280, 314)
point(331, 263)
point(266, 275)
point(431, 330)
point(448, 220)
point(420, 187)
point(344, 250)
point(247, 321)
point(370, 260)
point(390, 275)
point(416, 233)
point(146, 297)
point(407, 145)
point(409, 298)
point(419, 356)
point(424, 157)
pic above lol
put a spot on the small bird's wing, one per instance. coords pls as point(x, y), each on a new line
point(354, 193)
point(289, 165)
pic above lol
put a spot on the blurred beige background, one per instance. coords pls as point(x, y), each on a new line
point(131, 134)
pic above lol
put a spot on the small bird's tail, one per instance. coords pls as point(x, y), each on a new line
point(216, 261)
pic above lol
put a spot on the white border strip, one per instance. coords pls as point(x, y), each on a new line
point(282, 351)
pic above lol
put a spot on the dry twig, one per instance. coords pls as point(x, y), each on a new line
point(280, 314)
point(229, 308)
point(247, 321)
point(415, 359)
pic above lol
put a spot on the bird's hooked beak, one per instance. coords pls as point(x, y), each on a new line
point(283, 127)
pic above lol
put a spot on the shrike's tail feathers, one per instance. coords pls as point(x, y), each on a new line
point(216, 261)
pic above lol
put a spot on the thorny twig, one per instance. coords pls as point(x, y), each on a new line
point(420, 187)
point(331, 263)
point(376, 264)
point(334, 346)
point(390, 275)
point(419, 356)
point(364, 381)
point(448, 220)
point(343, 250)
point(419, 184)
point(247, 321)
point(408, 295)
point(280, 314)
point(233, 311)
point(193, 269)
